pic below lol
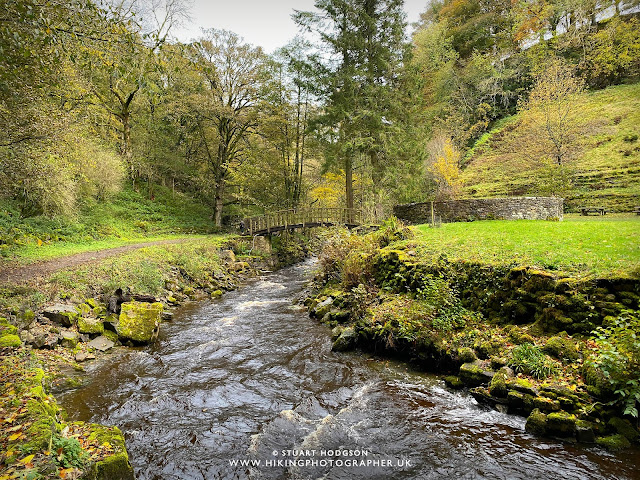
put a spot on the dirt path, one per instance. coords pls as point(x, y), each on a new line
point(22, 274)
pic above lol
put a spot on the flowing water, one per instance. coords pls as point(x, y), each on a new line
point(247, 387)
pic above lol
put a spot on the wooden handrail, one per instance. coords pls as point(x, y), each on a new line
point(297, 218)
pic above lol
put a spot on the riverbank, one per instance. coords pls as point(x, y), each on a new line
point(557, 347)
point(52, 324)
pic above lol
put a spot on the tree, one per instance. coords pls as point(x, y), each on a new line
point(552, 107)
point(226, 115)
point(364, 41)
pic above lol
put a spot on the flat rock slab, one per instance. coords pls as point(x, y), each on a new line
point(101, 343)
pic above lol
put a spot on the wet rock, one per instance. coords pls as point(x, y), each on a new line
point(346, 341)
point(498, 385)
point(90, 325)
point(115, 466)
point(139, 321)
point(474, 375)
point(614, 443)
point(561, 424)
point(453, 382)
point(336, 332)
point(584, 432)
point(323, 308)
point(62, 314)
point(536, 423)
point(68, 338)
point(167, 316)
point(624, 428)
point(101, 343)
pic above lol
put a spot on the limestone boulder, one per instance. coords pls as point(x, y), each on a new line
point(62, 314)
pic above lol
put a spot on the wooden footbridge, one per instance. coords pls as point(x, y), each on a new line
point(302, 218)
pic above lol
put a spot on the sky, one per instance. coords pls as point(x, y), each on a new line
point(265, 23)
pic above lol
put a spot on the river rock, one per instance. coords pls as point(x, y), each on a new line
point(90, 325)
point(84, 356)
point(473, 374)
point(101, 343)
point(346, 341)
point(62, 314)
point(139, 321)
point(69, 338)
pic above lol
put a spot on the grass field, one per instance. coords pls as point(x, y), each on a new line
point(604, 163)
point(606, 246)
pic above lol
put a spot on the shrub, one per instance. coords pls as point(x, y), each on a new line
point(617, 357)
point(530, 360)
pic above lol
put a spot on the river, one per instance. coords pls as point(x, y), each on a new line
point(246, 386)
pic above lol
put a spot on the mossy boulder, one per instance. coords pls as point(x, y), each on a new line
point(346, 341)
point(467, 355)
point(90, 325)
point(6, 328)
point(474, 375)
point(624, 428)
point(62, 314)
point(561, 348)
point(139, 321)
point(585, 431)
point(10, 340)
point(116, 466)
point(69, 338)
point(536, 423)
point(561, 424)
point(453, 382)
point(614, 442)
point(498, 385)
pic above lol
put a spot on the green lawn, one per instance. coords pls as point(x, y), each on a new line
point(588, 246)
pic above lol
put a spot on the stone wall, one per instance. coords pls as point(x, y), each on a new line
point(509, 208)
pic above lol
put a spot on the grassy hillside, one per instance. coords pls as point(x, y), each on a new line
point(128, 216)
point(605, 164)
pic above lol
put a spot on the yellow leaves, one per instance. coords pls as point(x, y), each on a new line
point(447, 171)
point(16, 436)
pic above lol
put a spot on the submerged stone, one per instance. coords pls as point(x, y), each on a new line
point(139, 321)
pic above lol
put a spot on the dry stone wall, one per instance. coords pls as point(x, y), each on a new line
point(509, 208)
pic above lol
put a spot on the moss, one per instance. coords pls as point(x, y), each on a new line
point(346, 341)
point(92, 302)
point(536, 423)
point(453, 382)
point(624, 428)
point(113, 336)
point(10, 340)
point(474, 375)
point(90, 325)
point(139, 321)
point(467, 355)
point(214, 294)
point(561, 348)
point(116, 466)
point(614, 442)
point(561, 423)
point(545, 404)
point(498, 385)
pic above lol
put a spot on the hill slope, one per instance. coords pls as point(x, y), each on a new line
point(605, 165)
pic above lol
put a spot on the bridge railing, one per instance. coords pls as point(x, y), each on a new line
point(293, 218)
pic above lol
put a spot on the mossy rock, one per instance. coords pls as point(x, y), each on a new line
point(116, 466)
point(561, 348)
point(488, 348)
point(84, 310)
point(472, 374)
point(624, 428)
point(536, 423)
point(215, 294)
point(545, 404)
point(90, 325)
point(561, 424)
point(346, 341)
point(522, 385)
point(10, 340)
point(467, 355)
point(614, 443)
point(113, 336)
point(585, 431)
point(498, 385)
point(453, 382)
point(92, 302)
point(6, 328)
point(69, 338)
point(139, 321)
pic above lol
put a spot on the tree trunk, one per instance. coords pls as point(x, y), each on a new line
point(348, 170)
point(125, 118)
point(217, 205)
